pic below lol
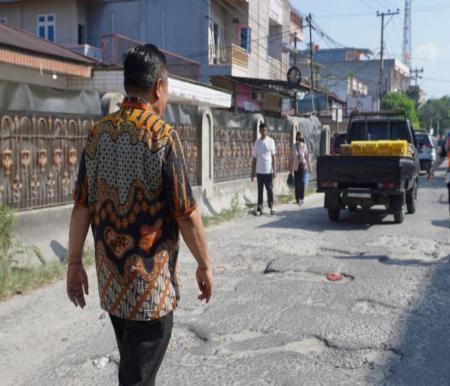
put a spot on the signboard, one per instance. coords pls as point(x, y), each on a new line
point(359, 103)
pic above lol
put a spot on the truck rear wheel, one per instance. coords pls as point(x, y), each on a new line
point(399, 217)
point(411, 198)
point(398, 204)
point(333, 214)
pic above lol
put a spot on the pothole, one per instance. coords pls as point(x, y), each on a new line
point(310, 275)
point(368, 306)
point(403, 248)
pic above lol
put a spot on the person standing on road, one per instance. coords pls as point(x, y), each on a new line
point(300, 165)
point(263, 167)
point(133, 189)
point(442, 154)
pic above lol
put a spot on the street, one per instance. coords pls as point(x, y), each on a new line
point(274, 319)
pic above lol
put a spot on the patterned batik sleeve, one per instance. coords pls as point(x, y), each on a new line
point(80, 192)
point(179, 196)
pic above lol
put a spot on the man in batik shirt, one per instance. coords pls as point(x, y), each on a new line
point(133, 190)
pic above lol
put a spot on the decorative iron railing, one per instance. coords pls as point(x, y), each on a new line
point(232, 153)
point(190, 139)
point(39, 157)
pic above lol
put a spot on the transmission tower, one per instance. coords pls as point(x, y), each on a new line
point(406, 51)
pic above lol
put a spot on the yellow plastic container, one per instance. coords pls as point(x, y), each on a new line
point(346, 149)
point(384, 148)
point(362, 148)
point(399, 148)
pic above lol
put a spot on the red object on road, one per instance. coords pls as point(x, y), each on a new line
point(334, 277)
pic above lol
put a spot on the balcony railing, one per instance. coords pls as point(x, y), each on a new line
point(274, 68)
point(238, 56)
point(233, 55)
point(115, 46)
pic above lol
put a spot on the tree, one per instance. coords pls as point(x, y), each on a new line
point(397, 100)
point(435, 113)
point(414, 93)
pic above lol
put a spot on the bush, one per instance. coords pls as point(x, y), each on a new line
point(6, 241)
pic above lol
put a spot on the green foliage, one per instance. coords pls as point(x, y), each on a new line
point(398, 100)
point(15, 279)
point(436, 113)
point(234, 210)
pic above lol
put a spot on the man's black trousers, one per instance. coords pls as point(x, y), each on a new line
point(142, 346)
point(265, 180)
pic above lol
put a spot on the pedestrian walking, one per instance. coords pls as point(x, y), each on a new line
point(442, 154)
point(263, 167)
point(133, 190)
point(300, 165)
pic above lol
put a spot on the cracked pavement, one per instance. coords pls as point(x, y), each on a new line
point(275, 318)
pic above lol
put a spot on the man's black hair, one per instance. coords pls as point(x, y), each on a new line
point(263, 125)
point(143, 66)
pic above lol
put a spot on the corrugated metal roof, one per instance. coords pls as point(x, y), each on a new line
point(24, 41)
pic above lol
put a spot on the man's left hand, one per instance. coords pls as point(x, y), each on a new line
point(77, 282)
point(274, 175)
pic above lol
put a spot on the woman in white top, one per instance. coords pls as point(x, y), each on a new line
point(300, 164)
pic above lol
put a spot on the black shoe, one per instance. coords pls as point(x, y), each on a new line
point(272, 212)
point(258, 212)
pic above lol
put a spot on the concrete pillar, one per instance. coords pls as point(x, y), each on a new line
point(325, 140)
point(295, 129)
point(207, 148)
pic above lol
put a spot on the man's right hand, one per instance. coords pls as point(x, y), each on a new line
point(253, 178)
point(205, 283)
point(430, 176)
point(77, 282)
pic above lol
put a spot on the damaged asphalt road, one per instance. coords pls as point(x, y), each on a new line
point(275, 318)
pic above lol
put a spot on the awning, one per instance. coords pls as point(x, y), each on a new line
point(186, 92)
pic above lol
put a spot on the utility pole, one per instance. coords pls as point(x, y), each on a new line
point(415, 74)
point(311, 69)
point(381, 81)
point(295, 48)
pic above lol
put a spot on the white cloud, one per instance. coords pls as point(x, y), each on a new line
point(429, 51)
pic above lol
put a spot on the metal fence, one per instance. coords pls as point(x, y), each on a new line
point(39, 157)
point(232, 153)
point(190, 139)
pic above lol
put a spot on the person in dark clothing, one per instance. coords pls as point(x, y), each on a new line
point(299, 166)
point(263, 167)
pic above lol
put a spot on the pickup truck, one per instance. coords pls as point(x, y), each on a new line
point(364, 181)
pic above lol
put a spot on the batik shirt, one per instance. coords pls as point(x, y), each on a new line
point(134, 181)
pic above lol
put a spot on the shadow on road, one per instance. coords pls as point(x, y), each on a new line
point(441, 223)
point(425, 338)
point(316, 220)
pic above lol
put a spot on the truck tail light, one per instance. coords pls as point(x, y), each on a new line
point(386, 185)
point(329, 184)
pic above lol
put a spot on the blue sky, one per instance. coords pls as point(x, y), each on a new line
point(354, 23)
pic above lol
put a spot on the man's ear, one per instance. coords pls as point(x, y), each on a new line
point(157, 89)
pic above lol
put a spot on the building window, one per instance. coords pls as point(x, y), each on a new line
point(3, 20)
point(246, 39)
point(46, 27)
point(216, 42)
